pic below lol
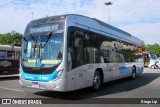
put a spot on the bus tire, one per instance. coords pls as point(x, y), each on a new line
point(97, 80)
point(152, 67)
point(133, 73)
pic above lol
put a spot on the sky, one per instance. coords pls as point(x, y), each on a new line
point(141, 18)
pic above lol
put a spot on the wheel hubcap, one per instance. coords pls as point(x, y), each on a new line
point(152, 67)
point(96, 81)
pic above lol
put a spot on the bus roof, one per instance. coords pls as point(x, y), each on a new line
point(9, 48)
point(96, 25)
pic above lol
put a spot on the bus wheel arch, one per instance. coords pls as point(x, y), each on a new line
point(98, 79)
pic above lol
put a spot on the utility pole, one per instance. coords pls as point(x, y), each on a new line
point(107, 4)
point(32, 14)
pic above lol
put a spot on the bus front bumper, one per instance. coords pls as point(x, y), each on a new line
point(58, 85)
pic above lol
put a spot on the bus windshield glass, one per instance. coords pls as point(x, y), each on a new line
point(42, 50)
point(153, 56)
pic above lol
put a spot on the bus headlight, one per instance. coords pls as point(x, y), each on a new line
point(21, 75)
point(58, 75)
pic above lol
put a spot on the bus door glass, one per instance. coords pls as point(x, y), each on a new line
point(146, 60)
point(76, 59)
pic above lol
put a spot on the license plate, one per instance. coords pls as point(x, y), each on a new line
point(35, 84)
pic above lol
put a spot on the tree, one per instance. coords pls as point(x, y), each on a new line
point(155, 48)
point(8, 38)
point(2, 39)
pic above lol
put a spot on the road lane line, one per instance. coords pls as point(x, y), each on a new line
point(11, 89)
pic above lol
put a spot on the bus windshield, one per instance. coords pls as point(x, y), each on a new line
point(42, 50)
point(153, 56)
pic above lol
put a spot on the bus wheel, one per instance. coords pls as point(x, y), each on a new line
point(133, 73)
point(97, 81)
point(152, 67)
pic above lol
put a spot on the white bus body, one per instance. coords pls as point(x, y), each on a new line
point(92, 53)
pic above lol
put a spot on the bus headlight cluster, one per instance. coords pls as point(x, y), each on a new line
point(21, 75)
point(58, 75)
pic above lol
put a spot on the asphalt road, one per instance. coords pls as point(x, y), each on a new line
point(146, 85)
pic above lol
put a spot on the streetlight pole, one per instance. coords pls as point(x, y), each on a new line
point(108, 3)
point(32, 14)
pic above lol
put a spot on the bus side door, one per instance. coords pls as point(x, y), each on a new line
point(77, 62)
point(81, 73)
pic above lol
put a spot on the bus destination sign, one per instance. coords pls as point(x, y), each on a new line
point(43, 28)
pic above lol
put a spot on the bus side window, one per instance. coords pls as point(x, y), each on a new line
point(75, 51)
point(119, 58)
point(10, 54)
point(17, 56)
point(105, 56)
point(79, 50)
point(122, 58)
point(92, 46)
point(90, 54)
point(2, 54)
point(70, 48)
point(113, 57)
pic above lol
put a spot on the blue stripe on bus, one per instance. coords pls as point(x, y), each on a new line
point(38, 77)
point(124, 70)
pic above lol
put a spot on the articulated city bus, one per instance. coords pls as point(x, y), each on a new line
point(9, 60)
point(71, 52)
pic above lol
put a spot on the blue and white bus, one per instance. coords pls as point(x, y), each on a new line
point(71, 52)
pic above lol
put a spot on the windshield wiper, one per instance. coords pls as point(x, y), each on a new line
point(39, 63)
point(47, 39)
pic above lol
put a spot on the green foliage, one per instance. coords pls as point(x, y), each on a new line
point(129, 55)
point(9, 38)
point(155, 48)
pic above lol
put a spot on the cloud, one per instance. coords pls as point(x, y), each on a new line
point(12, 19)
point(138, 17)
point(134, 11)
point(149, 32)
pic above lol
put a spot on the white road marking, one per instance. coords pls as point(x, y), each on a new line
point(11, 89)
